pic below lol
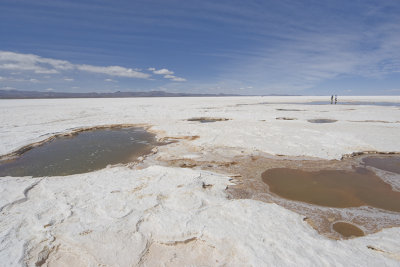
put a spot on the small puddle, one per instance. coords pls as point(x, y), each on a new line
point(347, 229)
point(289, 109)
point(285, 118)
point(391, 164)
point(333, 188)
point(207, 120)
point(322, 121)
point(82, 152)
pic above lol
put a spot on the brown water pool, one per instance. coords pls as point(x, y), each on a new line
point(347, 229)
point(333, 188)
point(83, 152)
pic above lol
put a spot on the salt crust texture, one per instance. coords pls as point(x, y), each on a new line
point(162, 216)
point(252, 125)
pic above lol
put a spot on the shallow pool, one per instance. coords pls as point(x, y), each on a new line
point(82, 152)
point(333, 188)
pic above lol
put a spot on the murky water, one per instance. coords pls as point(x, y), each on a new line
point(87, 151)
point(347, 229)
point(389, 163)
point(322, 121)
point(333, 188)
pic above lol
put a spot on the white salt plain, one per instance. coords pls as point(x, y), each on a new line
point(162, 216)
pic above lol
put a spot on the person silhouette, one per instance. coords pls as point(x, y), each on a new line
point(331, 99)
point(335, 99)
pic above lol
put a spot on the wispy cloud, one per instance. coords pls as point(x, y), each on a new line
point(167, 74)
point(7, 88)
point(40, 65)
point(13, 79)
point(114, 71)
point(163, 72)
point(174, 78)
point(11, 61)
point(312, 54)
point(30, 62)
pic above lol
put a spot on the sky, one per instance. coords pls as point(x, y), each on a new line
point(248, 47)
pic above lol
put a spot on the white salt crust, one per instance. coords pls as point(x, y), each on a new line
point(161, 216)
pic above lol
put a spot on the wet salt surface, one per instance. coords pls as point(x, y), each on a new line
point(388, 163)
point(333, 188)
point(83, 152)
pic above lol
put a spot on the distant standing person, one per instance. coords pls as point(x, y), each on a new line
point(331, 99)
point(335, 99)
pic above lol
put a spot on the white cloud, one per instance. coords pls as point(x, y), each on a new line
point(174, 78)
point(30, 62)
point(12, 79)
point(114, 71)
point(7, 88)
point(40, 65)
point(162, 71)
point(49, 89)
point(167, 74)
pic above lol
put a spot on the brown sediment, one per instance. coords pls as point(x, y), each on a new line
point(347, 230)
point(246, 174)
point(369, 152)
point(189, 138)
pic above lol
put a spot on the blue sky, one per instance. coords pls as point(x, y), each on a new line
point(246, 47)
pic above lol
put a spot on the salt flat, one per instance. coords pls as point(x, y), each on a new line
point(126, 216)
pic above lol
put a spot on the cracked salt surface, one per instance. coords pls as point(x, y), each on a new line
point(154, 215)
